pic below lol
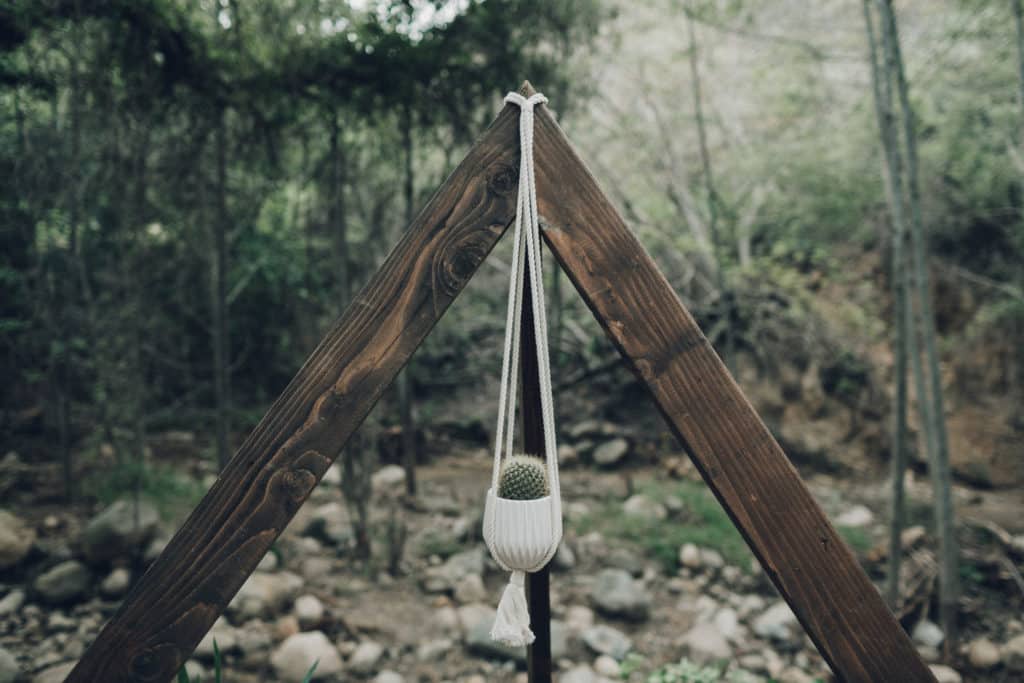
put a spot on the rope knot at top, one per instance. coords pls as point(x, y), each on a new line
point(526, 104)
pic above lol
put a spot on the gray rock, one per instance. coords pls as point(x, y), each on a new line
point(117, 583)
point(388, 676)
point(293, 658)
point(332, 477)
point(928, 634)
point(777, 623)
point(54, 674)
point(388, 479)
point(470, 589)
point(689, 556)
point(579, 618)
point(857, 516)
point(728, 624)
point(308, 610)
point(269, 563)
point(330, 524)
point(610, 453)
point(625, 559)
point(253, 636)
point(12, 602)
point(1012, 653)
point(580, 674)
point(605, 640)
point(587, 428)
point(265, 594)
point(119, 530)
point(63, 583)
point(223, 634)
point(607, 666)
point(457, 567)
point(642, 507)
point(711, 559)
point(617, 594)
point(9, 669)
point(983, 654)
point(432, 650)
point(945, 674)
point(565, 558)
point(366, 656)
point(795, 674)
point(16, 539)
point(705, 644)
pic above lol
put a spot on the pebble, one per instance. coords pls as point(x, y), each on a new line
point(63, 583)
point(945, 674)
point(9, 668)
point(611, 452)
point(983, 653)
point(777, 623)
point(928, 634)
point(705, 644)
point(607, 666)
point(858, 516)
point(617, 594)
point(12, 602)
point(293, 658)
point(117, 583)
point(308, 610)
point(388, 676)
point(366, 657)
point(606, 640)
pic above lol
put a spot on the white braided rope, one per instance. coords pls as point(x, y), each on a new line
point(526, 248)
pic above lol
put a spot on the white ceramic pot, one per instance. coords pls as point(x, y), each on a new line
point(521, 534)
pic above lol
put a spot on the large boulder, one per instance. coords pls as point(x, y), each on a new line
point(62, 583)
point(293, 658)
point(616, 593)
point(16, 539)
point(119, 531)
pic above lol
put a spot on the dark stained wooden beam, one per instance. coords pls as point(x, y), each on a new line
point(735, 453)
point(176, 602)
point(538, 590)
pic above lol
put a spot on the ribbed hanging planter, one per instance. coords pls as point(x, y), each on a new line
point(523, 512)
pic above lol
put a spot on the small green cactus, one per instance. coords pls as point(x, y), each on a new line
point(523, 477)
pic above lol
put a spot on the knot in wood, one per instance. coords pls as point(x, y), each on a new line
point(502, 179)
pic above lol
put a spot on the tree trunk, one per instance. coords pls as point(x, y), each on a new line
point(339, 219)
point(949, 571)
point(405, 400)
point(724, 297)
point(218, 299)
point(882, 89)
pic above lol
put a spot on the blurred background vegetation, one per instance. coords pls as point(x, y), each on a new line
point(194, 190)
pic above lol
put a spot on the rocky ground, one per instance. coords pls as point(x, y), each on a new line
point(613, 597)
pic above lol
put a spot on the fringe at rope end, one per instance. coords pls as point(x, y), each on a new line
point(512, 623)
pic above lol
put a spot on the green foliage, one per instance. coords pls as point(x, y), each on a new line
point(167, 488)
point(701, 522)
point(856, 537)
point(635, 667)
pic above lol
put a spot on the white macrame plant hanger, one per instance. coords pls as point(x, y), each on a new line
point(523, 535)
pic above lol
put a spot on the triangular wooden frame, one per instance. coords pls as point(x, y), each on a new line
point(175, 603)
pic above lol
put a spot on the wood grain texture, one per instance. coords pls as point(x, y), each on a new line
point(189, 585)
point(538, 591)
point(735, 453)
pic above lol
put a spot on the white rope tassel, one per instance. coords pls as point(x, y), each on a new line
point(512, 623)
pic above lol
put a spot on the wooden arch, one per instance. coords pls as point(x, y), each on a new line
point(178, 599)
